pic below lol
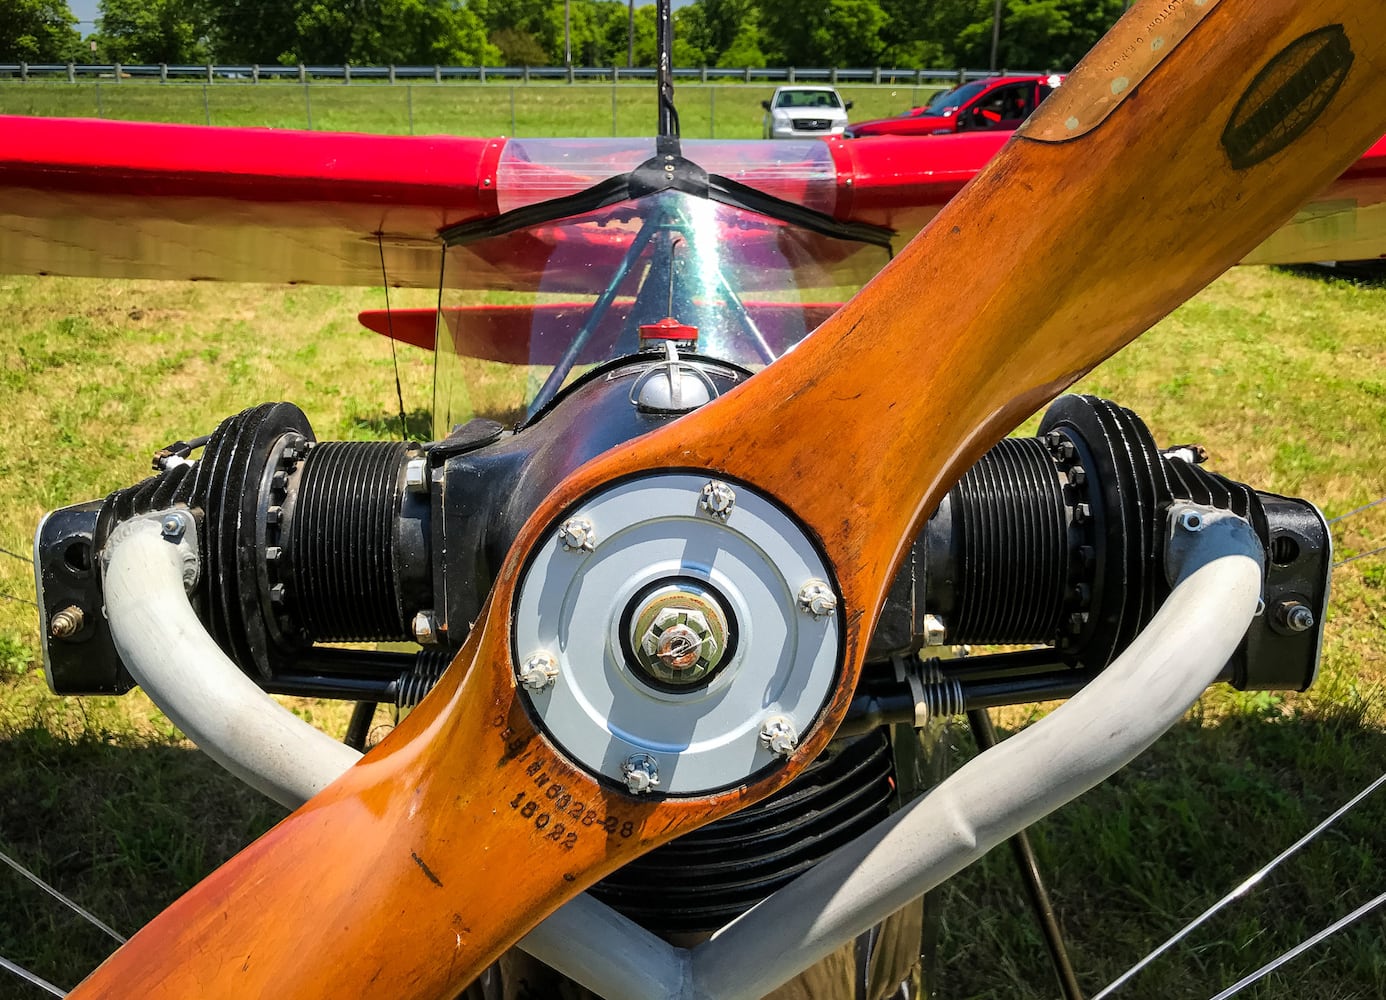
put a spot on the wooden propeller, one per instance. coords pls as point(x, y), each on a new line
point(1192, 131)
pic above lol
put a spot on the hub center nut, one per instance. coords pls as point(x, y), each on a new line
point(678, 634)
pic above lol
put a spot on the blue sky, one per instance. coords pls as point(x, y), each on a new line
point(85, 11)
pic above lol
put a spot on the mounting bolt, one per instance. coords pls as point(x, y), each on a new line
point(426, 628)
point(718, 499)
point(1295, 616)
point(1191, 520)
point(67, 622)
point(173, 527)
point(538, 671)
point(641, 772)
point(935, 632)
point(817, 598)
point(578, 533)
point(416, 475)
point(779, 736)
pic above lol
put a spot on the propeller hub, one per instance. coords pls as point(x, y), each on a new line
point(679, 633)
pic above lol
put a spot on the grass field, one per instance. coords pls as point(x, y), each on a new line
point(1280, 374)
point(721, 110)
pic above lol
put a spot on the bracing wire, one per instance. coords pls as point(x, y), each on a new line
point(29, 977)
point(1241, 890)
point(16, 555)
point(1302, 947)
point(61, 897)
point(390, 328)
point(1358, 510)
point(1360, 555)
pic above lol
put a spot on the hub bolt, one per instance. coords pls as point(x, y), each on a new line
point(817, 598)
point(718, 499)
point(779, 735)
point(578, 533)
point(641, 772)
point(538, 671)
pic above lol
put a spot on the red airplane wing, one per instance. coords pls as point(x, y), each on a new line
point(123, 199)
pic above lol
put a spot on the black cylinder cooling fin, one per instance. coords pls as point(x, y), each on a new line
point(339, 535)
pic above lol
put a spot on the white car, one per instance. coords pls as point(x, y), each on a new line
point(804, 112)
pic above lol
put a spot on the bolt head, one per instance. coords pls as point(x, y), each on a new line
point(577, 533)
point(416, 475)
point(718, 499)
point(425, 627)
point(641, 772)
point(67, 622)
point(538, 672)
point(817, 598)
point(779, 736)
point(1298, 618)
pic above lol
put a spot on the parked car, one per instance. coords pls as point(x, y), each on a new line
point(997, 104)
point(804, 113)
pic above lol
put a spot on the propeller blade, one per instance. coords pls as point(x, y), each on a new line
point(1192, 131)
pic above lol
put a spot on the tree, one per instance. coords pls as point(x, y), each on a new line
point(1039, 34)
point(378, 32)
point(38, 31)
point(153, 31)
point(836, 33)
point(518, 47)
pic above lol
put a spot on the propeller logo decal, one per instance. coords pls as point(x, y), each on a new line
point(1287, 96)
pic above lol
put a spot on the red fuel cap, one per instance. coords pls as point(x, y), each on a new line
point(667, 329)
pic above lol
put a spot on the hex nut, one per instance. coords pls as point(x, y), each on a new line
point(538, 672)
point(641, 772)
point(173, 527)
point(817, 598)
point(416, 475)
point(425, 627)
point(1191, 520)
point(577, 533)
point(67, 622)
point(779, 736)
point(718, 499)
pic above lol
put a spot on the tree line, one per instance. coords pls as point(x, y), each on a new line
point(1034, 34)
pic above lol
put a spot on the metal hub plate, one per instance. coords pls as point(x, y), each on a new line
point(600, 709)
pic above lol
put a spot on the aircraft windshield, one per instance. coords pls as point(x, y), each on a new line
point(563, 296)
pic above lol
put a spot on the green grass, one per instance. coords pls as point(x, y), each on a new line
point(712, 110)
point(1280, 374)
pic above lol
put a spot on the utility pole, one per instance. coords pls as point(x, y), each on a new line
point(995, 34)
point(630, 37)
point(567, 34)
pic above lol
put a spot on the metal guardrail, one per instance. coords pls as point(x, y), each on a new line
point(254, 73)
